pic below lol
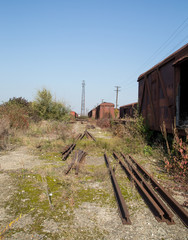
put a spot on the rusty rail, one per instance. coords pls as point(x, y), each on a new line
point(76, 160)
point(154, 207)
point(78, 137)
point(81, 156)
point(72, 163)
point(123, 210)
point(67, 151)
point(167, 214)
point(88, 135)
point(174, 205)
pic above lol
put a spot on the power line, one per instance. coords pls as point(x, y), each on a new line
point(161, 48)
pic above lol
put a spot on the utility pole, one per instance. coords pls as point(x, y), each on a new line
point(83, 99)
point(117, 91)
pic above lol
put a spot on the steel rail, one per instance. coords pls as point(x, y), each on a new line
point(155, 209)
point(81, 156)
point(68, 151)
point(65, 149)
point(174, 205)
point(72, 163)
point(123, 210)
point(89, 135)
point(78, 137)
point(83, 135)
point(167, 214)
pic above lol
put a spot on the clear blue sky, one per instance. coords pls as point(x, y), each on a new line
point(58, 43)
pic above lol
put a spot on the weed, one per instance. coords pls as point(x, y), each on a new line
point(177, 162)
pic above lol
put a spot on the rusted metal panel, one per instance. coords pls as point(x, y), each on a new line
point(162, 92)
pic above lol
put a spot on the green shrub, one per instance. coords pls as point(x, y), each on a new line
point(47, 108)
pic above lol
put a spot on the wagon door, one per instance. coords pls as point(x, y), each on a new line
point(182, 98)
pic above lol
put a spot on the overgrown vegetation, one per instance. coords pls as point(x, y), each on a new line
point(19, 114)
point(48, 108)
point(176, 163)
point(134, 134)
point(137, 138)
point(45, 194)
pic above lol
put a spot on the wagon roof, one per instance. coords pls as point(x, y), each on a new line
point(106, 103)
point(128, 105)
point(164, 61)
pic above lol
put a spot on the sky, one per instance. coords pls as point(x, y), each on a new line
point(56, 44)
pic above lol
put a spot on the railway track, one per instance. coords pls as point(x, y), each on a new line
point(159, 210)
point(123, 210)
point(79, 154)
point(147, 186)
point(76, 161)
point(150, 190)
point(69, 148)
point(173, 204)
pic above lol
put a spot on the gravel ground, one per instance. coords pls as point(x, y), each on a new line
point(88, 216)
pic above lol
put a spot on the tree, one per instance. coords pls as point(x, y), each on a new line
point(47, 108)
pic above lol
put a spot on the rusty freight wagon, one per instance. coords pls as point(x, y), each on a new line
point(128, 110)
point(73, 114)
point(105, 110)
point(92, 113)
point(163, 92)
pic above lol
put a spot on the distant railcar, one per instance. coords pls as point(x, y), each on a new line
point(73, 114)
point(128, 110)
point(92, 113)
point(104, 110)
point(163, 92)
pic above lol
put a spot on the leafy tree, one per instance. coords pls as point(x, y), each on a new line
point(47, 108)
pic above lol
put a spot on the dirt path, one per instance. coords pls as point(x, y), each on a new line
point(83, 207)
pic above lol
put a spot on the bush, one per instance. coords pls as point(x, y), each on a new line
point(17, 115)
point(177, 162)
point(47, 108)
point(104, 123)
